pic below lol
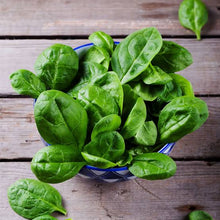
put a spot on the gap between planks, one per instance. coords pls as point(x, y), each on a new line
point(85, 37)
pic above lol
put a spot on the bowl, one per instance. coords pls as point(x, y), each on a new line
point(109, 175)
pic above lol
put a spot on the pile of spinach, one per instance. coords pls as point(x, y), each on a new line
point(113, 106)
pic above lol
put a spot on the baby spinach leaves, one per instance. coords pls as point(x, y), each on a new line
point(172, 57)
point(98, 55)
point(97, 102)
point(193, 15)
point(103, 40)
point(57, 163)
point(104, 150)
point(135, 119)
point(153, 166)
point(181, 116)
point(107, 123)
point(199, 215)
point(184, 84)
point(60, 119)
point(154, 75)
point(31, 198)
point(57, 66)
point(25, 82)
point(133, 55)
point(146, 134)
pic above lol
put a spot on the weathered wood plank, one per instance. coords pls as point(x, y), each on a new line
point(203, 73)
point(83, 17)
point(196, 185)
point(19, 137)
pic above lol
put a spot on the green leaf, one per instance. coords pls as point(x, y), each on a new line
point(135, 119)
point(107, 145)
point(60, 119)
point(107, 123)
point(97, 161)
point(133, 55)
point(147, 134)
point(170, 91)
point(25, 82)
point(98, 55)
point(130, 98)
point(183, 83)
point(57, 163)
point(125, 160)
point(103, 40)
point(147, 92)
point(89, 72)
point(181, 116)
point(172, 57)
point(193, 15)
point(97, 102)
point(111, 83)
point(95, 74)
point(140, 149)
point(57, 66)
point(154, 75)
point(199, 215)
point(153, 166)
point(31, 198)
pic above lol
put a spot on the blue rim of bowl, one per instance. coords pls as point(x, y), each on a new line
point(89, 44)
point(169, 145)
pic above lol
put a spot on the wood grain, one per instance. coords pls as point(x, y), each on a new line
point(58, 17)
point(19, 137)
point(203, 73)
point(138, 199)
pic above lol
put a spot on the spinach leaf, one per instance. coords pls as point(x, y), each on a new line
point(98, 55)
point(111, 83)
point(152, 166)
point(45, 217)
point(125, 159)
point(170, 91)
point(25, 82)
point(96, 74)
point(103, 40)
point(57, 66)
point(154, 75)
point(135, 119)
point(193, 15)
point(97, 102)
point(60, 119)
point(107, 123)
point(31, 198)
point(57, 163)
point(147, 134)
point(88, 72)
point(130, 98)
point(154, 108)
point(172, 57)
point(109, 146)
point(147, 92)
point(133, 55)
point(97, 161)
point(181, 116)
point(140, 149)
point(199, 215)
point(184, 84)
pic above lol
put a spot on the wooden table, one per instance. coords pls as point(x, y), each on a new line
point(28, 27)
